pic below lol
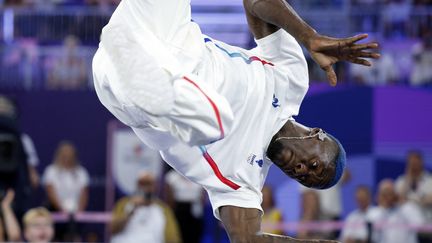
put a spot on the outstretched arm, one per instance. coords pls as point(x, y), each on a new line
point(267, 16)
point(243, 225)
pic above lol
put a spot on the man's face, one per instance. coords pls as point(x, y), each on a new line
point(387, 197)
point(39, 231)
point(307, 161)
point(415, 165)
point(363, 198)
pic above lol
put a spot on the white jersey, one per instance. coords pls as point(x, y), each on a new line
point(264, 88)
point(263, 97)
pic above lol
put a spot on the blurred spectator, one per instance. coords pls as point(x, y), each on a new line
point(38, 226)
point(395, 16)
point(384, 71)
point(66, 181)
point(272, 216)
point(16, 170)
point(422, 55)
point(186, 199)
point(330, 201)
point(311, 212)
point(69, 71)
point(393, 222)
point(415, 185)
point(11, 227)
point(21, 68)
point(356, 223)
point(144, 218)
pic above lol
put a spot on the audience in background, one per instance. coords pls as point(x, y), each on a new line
point(416, 186)
point(311, 212)
point(142, 217)
point(395, 16)
point(384, 71)
point(422, 57)
point(356, 228)
point(394, 220)
point(272, 217)
point(38, 226)
point(8, 222)
point(186, 199)
point(66, 181)
point(69, 71)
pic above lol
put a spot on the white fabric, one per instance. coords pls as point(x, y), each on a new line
point(423, 188)
point(396, 221)
point(147, 224)
point(183, 189)
point(355, 227)
point(262, 98)
point(421, 73)
point(67, 184)
point(29, 149)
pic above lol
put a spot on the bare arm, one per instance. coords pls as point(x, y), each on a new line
point(83, 200)
point(12, 227)
point(243, 225)
point(52, 197)
point(267, 16)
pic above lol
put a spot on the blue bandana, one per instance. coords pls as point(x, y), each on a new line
point(340, 164)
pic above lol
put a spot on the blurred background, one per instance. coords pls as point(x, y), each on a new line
point(61, 150)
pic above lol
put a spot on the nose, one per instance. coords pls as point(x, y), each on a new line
point(300, 169)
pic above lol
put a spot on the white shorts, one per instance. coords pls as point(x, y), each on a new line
point(199, 115)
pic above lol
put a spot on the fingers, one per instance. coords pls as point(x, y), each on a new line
point(361, 62)
point(365, 54)
point(356, 38)
point(361, 47)
point(331, 75)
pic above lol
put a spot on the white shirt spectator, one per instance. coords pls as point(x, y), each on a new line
point(397, 222)
point(383, 71)
point(422, 71)
point(67, 184)
point(146, 225)
point(423, 187)
point(356, 226)
point(29, 149)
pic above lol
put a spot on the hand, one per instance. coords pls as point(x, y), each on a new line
point(327, 51)
point(8, 199)
point(137, 201)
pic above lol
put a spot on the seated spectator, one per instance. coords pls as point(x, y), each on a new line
point(416, 183)
point(395, 16)
point(66, 181)
point(144, 218)
point(186, 199)
point(393, 221)
point(356, 223)
point(382, 72)
point(8, 222)
point(422, 55)
point(38, 226)
point(69, 71)
point(311, 212)
point(272, 216)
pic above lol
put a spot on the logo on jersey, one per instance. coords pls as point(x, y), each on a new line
point(275, 102)
point(252, 159)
